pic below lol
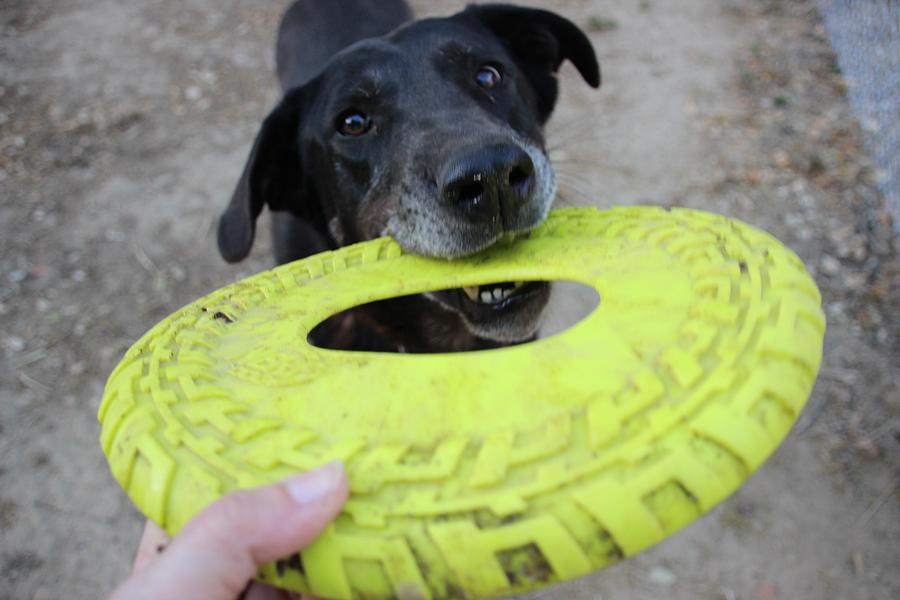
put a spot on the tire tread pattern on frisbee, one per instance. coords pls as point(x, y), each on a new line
point(529, 507)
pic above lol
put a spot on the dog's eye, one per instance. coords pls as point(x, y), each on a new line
point(487, 77)
point(353, 123)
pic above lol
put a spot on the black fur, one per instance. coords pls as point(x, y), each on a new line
point(449, 164)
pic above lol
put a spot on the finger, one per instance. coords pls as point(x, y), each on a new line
point(221, 549)
point(153, 541)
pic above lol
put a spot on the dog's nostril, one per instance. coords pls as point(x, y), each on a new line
point(469, 191)
point(490, 182)
point(518, 176)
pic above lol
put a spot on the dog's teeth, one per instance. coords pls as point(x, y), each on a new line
point(472, 292)
point(485, 295)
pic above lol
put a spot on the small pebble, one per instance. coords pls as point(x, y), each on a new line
point(178, 273)
point(830, 265)
point(794, 220)
point(869, 449)
point(14, 343)
point(76, 368)
point(859, 566)
point(208, 77)
point(837, 311)
point(781, 159)
point(854, 281)
point(766, 591)
point(662, 576)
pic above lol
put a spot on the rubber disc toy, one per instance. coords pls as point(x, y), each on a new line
point(484, 473)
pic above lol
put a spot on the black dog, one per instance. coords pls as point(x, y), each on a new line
point(428, 131)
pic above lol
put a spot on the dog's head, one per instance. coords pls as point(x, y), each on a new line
point(431, 135)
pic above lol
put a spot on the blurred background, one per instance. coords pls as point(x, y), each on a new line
point(124, 125)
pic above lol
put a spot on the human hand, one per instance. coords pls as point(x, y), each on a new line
point(216, 555)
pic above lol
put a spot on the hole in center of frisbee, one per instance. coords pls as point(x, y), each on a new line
point(464, 319)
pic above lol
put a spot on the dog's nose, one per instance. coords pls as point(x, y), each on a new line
point(489, 183)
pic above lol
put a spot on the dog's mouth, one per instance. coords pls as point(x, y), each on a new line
point(497, 298)
point(507, 311)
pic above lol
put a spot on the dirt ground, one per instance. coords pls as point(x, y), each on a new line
point(124, 125)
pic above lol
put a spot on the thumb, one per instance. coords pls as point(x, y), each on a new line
point(220, 550)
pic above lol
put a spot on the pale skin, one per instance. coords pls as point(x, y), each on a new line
point(216, 555)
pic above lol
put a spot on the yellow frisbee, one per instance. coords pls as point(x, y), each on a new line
point(484, 473)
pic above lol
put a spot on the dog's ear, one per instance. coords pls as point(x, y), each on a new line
point(540, 41)
point(273, 176)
